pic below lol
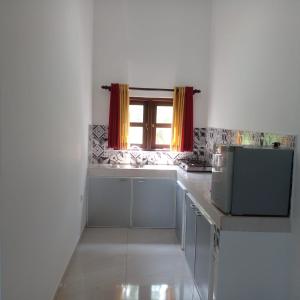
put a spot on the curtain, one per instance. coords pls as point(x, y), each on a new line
point(178, 107)
point(114, 117)
point(182, 127)
point(124, 116)
point(188, 116)
point(118, 116)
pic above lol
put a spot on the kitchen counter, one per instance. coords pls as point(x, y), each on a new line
point(198, 185)
point(148, 171)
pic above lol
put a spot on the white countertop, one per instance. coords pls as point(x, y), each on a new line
point(198, 185)
point(148, 171)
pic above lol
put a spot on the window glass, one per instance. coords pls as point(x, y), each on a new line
point(135, 135)
point(160, 292)
point(136, 113)
point(164, 114)
point(150, 123)
point(163, 136)
point(130, 292)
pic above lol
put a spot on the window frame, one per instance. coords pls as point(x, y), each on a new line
point(149, 121)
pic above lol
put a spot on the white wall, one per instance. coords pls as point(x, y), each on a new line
point(255, 73)
point(151, 44)
point(255, 65)
point(45, 93)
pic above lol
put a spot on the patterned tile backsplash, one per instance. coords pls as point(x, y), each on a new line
point(99, 153)
point(204, 141)
point(206, 138)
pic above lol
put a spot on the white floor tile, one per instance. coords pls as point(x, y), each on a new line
point(96, 236)
point(155, 265)
point(152, 236)
point(152, 241)
point(127, 264)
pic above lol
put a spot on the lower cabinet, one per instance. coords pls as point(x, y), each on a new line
point(199, 249)
point(125, 202)
point(109, 202)
point(252, 265)
point(190, 234)
point(235, 265)
point(153, 203)
point(204, 255)
point(180, 213)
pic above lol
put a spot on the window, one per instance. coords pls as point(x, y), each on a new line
point(160, 292)
point(150, 123)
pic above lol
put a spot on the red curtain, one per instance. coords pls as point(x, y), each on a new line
point(188, 116)
point(114, 117)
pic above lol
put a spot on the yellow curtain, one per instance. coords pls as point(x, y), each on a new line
point(124, 115)
point(178, 106)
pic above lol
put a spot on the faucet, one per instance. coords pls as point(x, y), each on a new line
point(136, 158)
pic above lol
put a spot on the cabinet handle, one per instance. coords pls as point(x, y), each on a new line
point(141, 181)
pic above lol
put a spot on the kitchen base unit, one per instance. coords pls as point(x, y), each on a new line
point(199, 246)
point(235, 265)
point(190, 233)
point(131, 202)
point(180, 213)
point(109, 202)
point(153, 203)
point(204, 256)
point(251, 265)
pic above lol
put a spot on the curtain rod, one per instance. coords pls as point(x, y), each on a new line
point(107, 87)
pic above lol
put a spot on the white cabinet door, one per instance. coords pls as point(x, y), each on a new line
point(203, 261)
point(180, 218)
point(153, 203)
point(190, 234)
point(109, 202)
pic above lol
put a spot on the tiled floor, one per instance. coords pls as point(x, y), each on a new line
point(127, 264)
